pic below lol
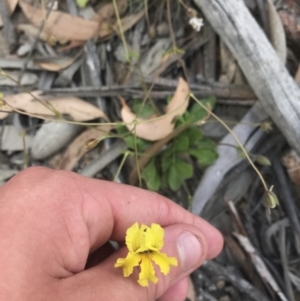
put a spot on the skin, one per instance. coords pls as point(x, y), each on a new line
point(54, 229)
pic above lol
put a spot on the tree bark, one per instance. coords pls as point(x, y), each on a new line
point(268, 77)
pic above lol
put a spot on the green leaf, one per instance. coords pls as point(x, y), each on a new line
point(166, 162)
point(174, 179)
point(181, 143)
point(144, 110)
point(184, 169)
point(205, 156)
point(194, 134)
point(142, 144)
point(197, 113)
point(179, 171)
point(205, 143)
point(151, 177)
point(164, 180)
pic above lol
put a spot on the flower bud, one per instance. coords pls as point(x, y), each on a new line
point(91, 143)
point(262, 160)
point(266, 126)
point(271, 199)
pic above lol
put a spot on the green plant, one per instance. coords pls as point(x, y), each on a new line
point(173, 165)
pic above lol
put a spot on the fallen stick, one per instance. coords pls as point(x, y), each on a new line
point(274, 87)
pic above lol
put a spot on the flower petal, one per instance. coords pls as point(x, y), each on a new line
point(134, 238)
point(154, 237)
point(132, 260)
point(163, 261)
point(147, 271)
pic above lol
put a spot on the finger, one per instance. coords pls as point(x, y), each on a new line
point(177, 292)
point(185, 242)
point(128, 205)
point(88, 212)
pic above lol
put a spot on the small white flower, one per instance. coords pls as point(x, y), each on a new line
point(196, 23)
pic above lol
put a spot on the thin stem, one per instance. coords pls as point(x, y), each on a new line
point(121, 30)
point(137, 159)
point(235, 138)
point(170, 24)
point(146, 14)
point(126, 154)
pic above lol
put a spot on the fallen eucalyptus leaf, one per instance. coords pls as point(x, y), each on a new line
point(61, 25)
point(162, 126)
point(77, 149)
point(75, 108)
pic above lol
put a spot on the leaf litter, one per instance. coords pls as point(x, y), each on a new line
point(157, 128)
point(167, 152)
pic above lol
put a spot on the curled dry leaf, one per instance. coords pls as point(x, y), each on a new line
point(106, 29)
point(32, 31)
point(61, 25)
point(77, 149)
point(162, 126)
point(77, 109)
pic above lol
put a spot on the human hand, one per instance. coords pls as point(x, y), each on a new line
point(51, 222)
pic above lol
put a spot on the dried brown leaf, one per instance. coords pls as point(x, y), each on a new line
point(161, 127)
point(30, 30)
point(107, 11)
point(55, 63)
point(76, 150)
point(11, 6)
point(61, 25)
point(106, 29)
point(77, 109)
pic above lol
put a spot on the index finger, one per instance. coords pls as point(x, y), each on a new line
point(128, 205)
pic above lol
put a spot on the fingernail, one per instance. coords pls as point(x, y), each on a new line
point(190, 250)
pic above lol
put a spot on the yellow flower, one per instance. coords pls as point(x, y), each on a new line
point(144, 245)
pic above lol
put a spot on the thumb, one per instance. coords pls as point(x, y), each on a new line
point(185, 242)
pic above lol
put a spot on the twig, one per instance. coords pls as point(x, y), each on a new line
point(284, 261)
point(260, 265)
point(107, 157)
point(28, 58)
point(288, 200)
point(260, 63)
point(242, 285)
point(170, 24)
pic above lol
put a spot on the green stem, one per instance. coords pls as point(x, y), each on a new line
point(121, 30)
point(235, 138)
point(121, 165)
